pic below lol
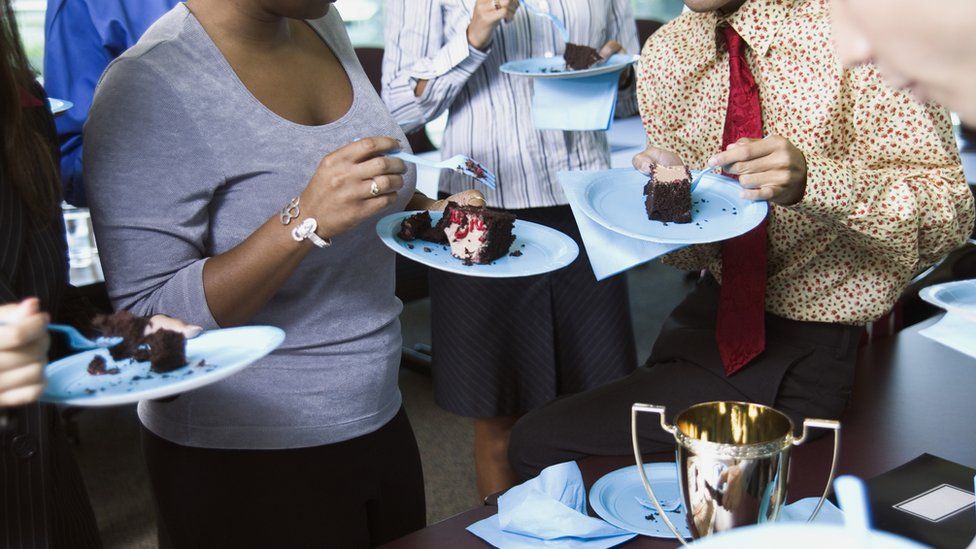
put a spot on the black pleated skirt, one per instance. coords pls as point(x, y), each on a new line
point(503, 347)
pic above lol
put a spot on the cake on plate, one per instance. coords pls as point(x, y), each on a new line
point(668, 194)
point(164, 349)
point(475, 234)
point(579, 57)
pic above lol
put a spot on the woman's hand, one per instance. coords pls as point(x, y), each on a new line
point(23, 352)
point(464, 198)
point(769, 169)
point(487, 15)
point(353, 184)
point(643, 161)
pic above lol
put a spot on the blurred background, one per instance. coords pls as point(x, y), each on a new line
point(364, 19)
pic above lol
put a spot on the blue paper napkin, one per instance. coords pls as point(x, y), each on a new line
point(548, 511)
point(954, 331)
point(610, 252)
point(575, 104)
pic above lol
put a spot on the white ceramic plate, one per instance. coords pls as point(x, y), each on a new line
point(804, 536)
point(59, 106)
point(614, 498)
point(542, 250)
point(224, 352)
point(956, 297)
point(555, 67)
point(615, 200)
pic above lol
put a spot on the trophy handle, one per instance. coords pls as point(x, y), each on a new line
point(655, 409)
point(821, 424)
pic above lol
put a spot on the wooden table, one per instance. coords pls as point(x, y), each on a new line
point(912, 395)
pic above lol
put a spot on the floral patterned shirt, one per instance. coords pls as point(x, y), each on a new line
point(885, 194)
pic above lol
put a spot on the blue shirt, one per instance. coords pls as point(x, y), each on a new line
point(81, 38)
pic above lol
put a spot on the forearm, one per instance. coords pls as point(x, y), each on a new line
point(240, 282)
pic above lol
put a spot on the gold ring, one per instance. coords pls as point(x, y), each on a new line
point(374, 189)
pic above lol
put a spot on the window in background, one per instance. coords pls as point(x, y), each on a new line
point(30, 20)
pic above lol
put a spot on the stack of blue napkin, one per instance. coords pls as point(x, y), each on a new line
point(610, 252)
point(549, 511)
point(575, 104)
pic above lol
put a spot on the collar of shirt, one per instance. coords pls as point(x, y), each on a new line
point(758, 22)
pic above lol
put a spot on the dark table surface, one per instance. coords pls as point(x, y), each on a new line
point(912, 395)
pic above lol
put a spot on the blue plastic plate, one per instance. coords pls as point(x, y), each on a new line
point(58, 106)
point(555, 67)
point(542, 250)
point(614, 498)
point(616, 201)
point(224, 352)
point(956, 297)
point(804, 536)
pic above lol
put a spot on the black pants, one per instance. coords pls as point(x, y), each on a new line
point(807, 370)
point(358, 493)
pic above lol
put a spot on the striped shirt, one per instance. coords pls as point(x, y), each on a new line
point(490, 115)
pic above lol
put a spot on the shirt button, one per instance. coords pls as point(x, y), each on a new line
point(24, 446)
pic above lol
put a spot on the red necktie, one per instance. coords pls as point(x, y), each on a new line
point(741, 328)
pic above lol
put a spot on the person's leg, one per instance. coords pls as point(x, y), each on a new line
point(257, 498)
point(597, 422)
point(491, 437)
point(399, 506)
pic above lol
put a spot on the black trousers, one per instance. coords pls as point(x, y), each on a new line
point(807, 370)
point(358, 493)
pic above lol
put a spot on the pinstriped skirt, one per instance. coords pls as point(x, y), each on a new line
point(503, 347)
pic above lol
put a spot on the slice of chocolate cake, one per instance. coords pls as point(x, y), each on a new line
point(420, 226)
point(126, 325)
point(669, 194)
point(477, 234)
point(167, 350)
point(580, 57)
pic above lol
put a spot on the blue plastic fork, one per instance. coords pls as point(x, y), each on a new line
point(79, 342)
point(458, 163)
point(555, 21)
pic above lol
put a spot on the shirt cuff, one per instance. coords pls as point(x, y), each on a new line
point(830, 190)
point(458, 53)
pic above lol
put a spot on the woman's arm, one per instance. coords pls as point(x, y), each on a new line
point(429, 58)
point(152, 176)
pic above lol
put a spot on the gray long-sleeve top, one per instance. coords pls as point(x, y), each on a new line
point(182, 164)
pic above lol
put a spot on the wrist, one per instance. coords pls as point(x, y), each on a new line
point(478, 38)
point(304, 225)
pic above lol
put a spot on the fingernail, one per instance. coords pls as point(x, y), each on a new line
point(712, 162)
point(193, 331)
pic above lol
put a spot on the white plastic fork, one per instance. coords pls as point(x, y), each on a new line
point(458, 163)
point(555, 21)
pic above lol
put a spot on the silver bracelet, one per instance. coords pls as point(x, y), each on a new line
point(291, 211)
point(306, 231)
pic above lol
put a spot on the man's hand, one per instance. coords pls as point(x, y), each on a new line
point(769, 169)
point(643, 161)
point(487, 15)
